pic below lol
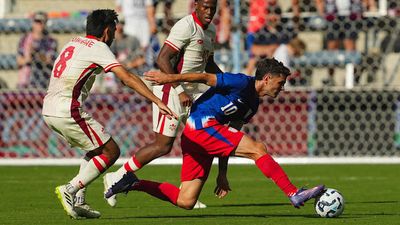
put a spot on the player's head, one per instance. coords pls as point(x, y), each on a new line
point(101, 24)
point(205, 10)
point(271, 77)
point(39, 20)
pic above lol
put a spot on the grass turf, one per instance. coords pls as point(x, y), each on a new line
point(371, 193)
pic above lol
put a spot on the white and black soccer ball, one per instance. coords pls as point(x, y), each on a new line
point(329, 204)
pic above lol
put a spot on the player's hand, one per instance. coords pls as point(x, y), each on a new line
point(166, 111)
point(222, 188)
point(156, 77)
point(185, 99)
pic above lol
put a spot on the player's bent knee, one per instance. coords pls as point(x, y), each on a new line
point(164, 147)
point(187, 204)
point(111, 150)
point(259, 150)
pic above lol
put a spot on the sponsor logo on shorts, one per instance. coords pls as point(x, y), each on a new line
point(172, 127)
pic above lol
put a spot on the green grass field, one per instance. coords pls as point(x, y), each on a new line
point(372, 194)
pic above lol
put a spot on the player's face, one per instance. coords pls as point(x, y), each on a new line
point(205, 10)
point(273, 85)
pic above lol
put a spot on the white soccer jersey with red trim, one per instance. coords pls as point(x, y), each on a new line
point(195, 44)
point(74, 73)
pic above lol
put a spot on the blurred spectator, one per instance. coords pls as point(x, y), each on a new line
point(139, 19)
point(5, 7)
point(285, 54)
point(223, 23)
point(344, 20)
point(128, 51)
point(37, 51)
point(168, 20)
point(140, 22)
point(394, 8)
point(265, 32)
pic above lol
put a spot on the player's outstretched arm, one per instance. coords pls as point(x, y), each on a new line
point(158, 77)
point(222, 188)
point(134, 82)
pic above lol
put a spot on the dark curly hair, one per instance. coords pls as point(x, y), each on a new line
point(98, 20)
point(271, 66)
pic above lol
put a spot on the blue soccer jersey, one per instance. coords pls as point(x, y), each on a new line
point(234, 98)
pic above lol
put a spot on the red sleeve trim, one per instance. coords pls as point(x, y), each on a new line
point(109, 67)
point(170, 44)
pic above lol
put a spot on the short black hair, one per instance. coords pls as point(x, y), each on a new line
point(98, 20)
point(271, 66)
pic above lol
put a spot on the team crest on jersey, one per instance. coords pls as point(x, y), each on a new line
point(200, 42)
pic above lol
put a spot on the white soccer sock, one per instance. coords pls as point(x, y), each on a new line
point(80, 195)
point(92, 170)
point(131, 165)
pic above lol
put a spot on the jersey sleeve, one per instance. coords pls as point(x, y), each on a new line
point(180, 35)
point(105, 58)
point(230, 81)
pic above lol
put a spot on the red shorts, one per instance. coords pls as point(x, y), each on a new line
point(199, 147)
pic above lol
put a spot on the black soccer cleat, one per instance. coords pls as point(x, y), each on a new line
point(123, 185)
point(303, 195)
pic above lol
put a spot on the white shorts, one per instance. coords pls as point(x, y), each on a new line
point(163, 125)
point(83, 132)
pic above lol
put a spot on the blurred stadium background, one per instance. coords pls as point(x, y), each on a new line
point(355, 120)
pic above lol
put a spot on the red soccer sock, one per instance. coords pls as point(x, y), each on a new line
point(271, 169)
point(164, 191)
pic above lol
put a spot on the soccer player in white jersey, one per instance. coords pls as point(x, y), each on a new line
point(73, 74)
point(188, 48)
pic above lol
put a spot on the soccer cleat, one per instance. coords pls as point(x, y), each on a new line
point(108, 181)
point(86, 211)
point(303, 195)
point(67, 200)
point(123, 185)
point(199, 205)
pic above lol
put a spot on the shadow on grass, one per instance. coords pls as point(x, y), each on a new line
point(197, 216)
point(230, 216)
point(373, 202)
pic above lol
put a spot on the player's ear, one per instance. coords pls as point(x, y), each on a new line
point(267, 77)
point(105, 32)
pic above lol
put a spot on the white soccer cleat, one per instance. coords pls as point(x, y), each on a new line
point(199, 205)
point(108, 181)
point(67, 201)
point(86, 211)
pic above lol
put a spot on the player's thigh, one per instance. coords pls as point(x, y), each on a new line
point(161, 124)
point(83, 132)
point(249, 148)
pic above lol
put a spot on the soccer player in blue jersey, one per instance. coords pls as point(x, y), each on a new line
point(232, 99)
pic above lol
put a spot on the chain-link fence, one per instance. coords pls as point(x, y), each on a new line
point(298, 123)
point(342, 99)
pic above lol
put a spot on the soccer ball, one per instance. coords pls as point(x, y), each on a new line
point(329, 204)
